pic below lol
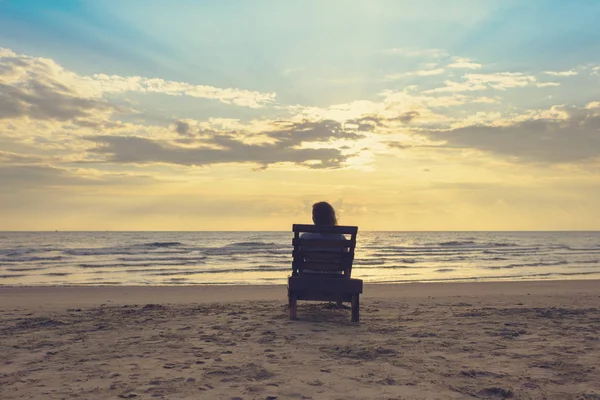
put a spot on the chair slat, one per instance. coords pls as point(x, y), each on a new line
point(323, 243)
point(349, 230)
point(325, 256)
point(322, 266)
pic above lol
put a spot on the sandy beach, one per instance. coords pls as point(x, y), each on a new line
point(520, 340)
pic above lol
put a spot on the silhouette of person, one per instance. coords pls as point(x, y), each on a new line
point(323, 214)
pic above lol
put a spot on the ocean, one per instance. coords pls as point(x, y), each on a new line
point(187, 258)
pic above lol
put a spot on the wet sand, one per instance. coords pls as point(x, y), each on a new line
point(529, 340)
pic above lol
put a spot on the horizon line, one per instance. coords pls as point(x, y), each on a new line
point(211, 231)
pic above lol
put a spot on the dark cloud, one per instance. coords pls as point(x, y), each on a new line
point(226, 148)
point(121, 149)
point(574, 139)
point(369, 122)
point(397, 145)
point(402, 146)
point(292, 134)
point(182, 127)
point(38, 100)
point(406, 117)
point(9, 108)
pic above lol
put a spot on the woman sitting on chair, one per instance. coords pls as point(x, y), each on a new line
point(323, 214)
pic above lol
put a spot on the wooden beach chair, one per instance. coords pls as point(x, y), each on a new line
point(321, 268)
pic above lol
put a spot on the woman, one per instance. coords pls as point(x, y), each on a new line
point(323, 214)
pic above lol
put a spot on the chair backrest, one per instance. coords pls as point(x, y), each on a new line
point(324, 252)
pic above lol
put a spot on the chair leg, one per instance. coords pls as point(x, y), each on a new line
point(355, 308)
point(293, 303)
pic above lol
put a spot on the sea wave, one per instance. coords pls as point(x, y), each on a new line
point(17, 259)
point(377, 261)
point(252, 244)
point(7, 276)
point(536, 264)
point(141, 264)
point(161, 244)
point(116, 251)
point(204, 257)
point(457, 243)
point(274, 267)
point(24, 269)
point(213, 271)
point(134, 259)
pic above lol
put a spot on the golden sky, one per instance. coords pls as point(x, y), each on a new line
point(131, 116)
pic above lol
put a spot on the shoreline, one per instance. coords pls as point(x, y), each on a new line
point(61, 297)
point(546, 277)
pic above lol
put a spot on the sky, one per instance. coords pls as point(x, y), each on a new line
point(239, 115)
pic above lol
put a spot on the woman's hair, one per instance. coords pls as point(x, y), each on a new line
point(323, 214)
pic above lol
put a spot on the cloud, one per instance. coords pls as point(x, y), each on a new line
point(287, 143)
point(369, 123)
point(501, 80)
point(21, 75)
point(40, 89)
point(182, 128)
point(120, 84)
point(397, 145)
point(394, 106)
point(141, 150)
point(498, 81)
point(406, 117)
point(464, 63)
point(293, 134)
point(42, 100)
point(592, 105)
point(569, 138)
point(452, 87)
point(548, 84)
point(561, 73)
point(426, 72)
